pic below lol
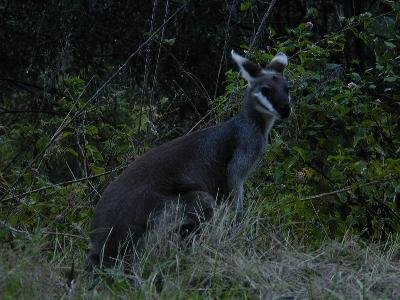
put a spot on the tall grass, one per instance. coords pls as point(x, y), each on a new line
point(228, 256)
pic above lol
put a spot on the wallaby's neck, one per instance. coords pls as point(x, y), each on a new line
point(262, 122)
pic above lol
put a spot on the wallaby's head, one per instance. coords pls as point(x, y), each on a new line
point(268, 91)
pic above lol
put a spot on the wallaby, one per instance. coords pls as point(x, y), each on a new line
point(197, 169)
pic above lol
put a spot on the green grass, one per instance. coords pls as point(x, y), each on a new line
point(228, 258)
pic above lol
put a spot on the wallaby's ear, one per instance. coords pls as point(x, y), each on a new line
point(278, 63)
point(249, 70)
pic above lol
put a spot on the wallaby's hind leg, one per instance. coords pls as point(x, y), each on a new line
point(111, 244)
point(197, 207)
point(183, 212)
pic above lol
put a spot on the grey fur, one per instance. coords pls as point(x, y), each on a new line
point(198, 169)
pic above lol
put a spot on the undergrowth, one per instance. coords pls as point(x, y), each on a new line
point(228, 257)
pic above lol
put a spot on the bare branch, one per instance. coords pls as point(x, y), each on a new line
point(261, 28)
point(348, 188)
point(52, 186)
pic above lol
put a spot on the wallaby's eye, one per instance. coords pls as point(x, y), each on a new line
point(265, 90)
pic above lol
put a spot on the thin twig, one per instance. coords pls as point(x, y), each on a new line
point(5, 224)
point(335, 192)
point(9, 227)
point(198, 123)
point(347, 188)
point(63, 184)
point(262, 24)
point(227, 37)
point(146, 75)
point(4, 110)
point(65, 234)
point(253, 42)
point(154, 83)
point(27, 85)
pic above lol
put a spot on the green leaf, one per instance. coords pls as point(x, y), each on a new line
point(390, 45)
point(92, 130)
point(97, 169)
point(170, 42)
point(355, 76)
point(66, 134)
point(72, 151)
point(94, 152)
point(300, 151)
point(391, 78)
point(245, 5)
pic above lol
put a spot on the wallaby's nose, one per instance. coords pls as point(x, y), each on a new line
point(284, 111)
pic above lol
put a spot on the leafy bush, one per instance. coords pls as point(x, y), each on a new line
point(330, 171)
point(344, 132)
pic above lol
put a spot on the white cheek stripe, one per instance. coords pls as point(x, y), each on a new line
point(270, 72)
point(264, 102)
